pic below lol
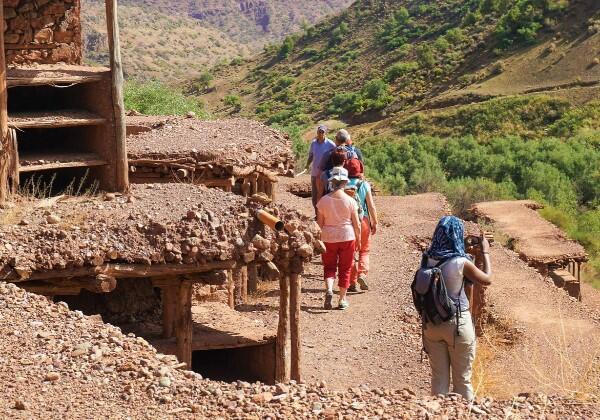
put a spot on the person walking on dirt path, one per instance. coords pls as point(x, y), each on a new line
point(343, 140)
point(361, 191)
point(338, 218)
point(451, 344)
point(318, 147)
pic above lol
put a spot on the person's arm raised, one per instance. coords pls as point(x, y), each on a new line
point(476, 275)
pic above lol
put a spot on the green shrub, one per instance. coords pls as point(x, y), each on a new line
point(462, 193)
point(286, 48)
point(155, 98)
point(455, 36)
point(283, 83)
point(400, 69)
point(338, 34)
point(233, 101)
point(522, 21)
point(425, 56)
point(441, 44)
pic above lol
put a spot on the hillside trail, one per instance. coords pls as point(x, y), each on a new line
point(538, 339)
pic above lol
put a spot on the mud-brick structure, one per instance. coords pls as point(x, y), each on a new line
point(58, 118)
point(242, 156)
point(537, 241)
point(42, 31)
point(134, 259)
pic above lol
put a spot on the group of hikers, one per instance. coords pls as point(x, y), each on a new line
point(346, 212)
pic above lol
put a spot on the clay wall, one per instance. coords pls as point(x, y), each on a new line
point(42, 31)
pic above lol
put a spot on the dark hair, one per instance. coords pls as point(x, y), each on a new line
point(338, 157)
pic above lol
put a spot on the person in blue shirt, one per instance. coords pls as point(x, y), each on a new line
point(319, 147)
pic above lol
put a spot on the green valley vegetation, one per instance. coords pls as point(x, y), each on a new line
point(156, 98)
point(427, 85)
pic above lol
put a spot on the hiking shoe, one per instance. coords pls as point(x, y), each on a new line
point(328, 299)
point(353, 288)
point(362, 280)
point(343, 305)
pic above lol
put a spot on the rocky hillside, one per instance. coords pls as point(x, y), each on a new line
point(171, 40)
point(250, 22)
point(381, 58)
point(155, 44)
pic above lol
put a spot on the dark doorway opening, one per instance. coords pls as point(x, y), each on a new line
point(250, 364)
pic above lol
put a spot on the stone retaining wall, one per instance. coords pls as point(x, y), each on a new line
point(42, 31)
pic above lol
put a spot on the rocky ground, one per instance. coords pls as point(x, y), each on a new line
point(56, 363)
point(153, 224)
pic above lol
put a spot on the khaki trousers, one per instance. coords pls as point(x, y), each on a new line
point(448, 351)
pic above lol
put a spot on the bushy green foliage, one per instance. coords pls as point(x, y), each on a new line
point(287, 46)
point(338, 34)
point(522, 21)
point(155, 98)
point(400, 69)
point(399, 29)
point(425, 56)
point(526, 116)
point(233, 101)
point(373, 96)
point(282, 83)
point(551, 170)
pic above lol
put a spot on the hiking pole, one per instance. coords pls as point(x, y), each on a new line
point(300, 173)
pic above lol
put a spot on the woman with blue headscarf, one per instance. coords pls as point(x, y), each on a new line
point(451, 345)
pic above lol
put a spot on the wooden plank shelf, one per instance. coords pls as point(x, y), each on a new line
point(53, 119)
point(53, 74)
point(45, 162)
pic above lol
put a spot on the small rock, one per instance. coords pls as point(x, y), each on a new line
point(52, 219)
point(164, 381)
point(20, 405)
point(52, 376)
point(263, 397)
point(191, 114)
point(282, 389)
point(109, 196)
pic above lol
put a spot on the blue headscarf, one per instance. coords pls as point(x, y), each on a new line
point(448, 239)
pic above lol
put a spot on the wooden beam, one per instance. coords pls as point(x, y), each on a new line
point(169, 308)
point(183, 326)
point(115, 270)
point(295, 303)
point(116, 67)
point(282, 355)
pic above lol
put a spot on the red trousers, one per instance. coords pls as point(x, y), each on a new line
point(339, 257)
point(363, 254)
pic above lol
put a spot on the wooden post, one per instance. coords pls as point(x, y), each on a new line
point(240, 294)
point(230, 289)
point(169, 308)
point(244, 271)
point(252, 277)
point(116, 67)
point(183, 328)
point(282, 355)
point(295, 303)
point(7, 148)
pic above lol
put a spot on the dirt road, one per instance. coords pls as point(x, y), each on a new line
point(539, 339)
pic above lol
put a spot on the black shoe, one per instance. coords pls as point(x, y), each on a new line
point(353, 288)
point(328, 300)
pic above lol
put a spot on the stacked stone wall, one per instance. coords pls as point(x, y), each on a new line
point(42, 31)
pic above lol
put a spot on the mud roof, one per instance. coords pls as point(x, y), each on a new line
point(537, 240)
point(154, 225)
point(237, 142)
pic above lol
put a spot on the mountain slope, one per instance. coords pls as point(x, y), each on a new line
point(155, 44)
point(381, 58)
point(250, 22)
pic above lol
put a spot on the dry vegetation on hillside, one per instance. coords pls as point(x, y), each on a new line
point(156, 45)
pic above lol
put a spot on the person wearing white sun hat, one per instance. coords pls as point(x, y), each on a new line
point(338, 218)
